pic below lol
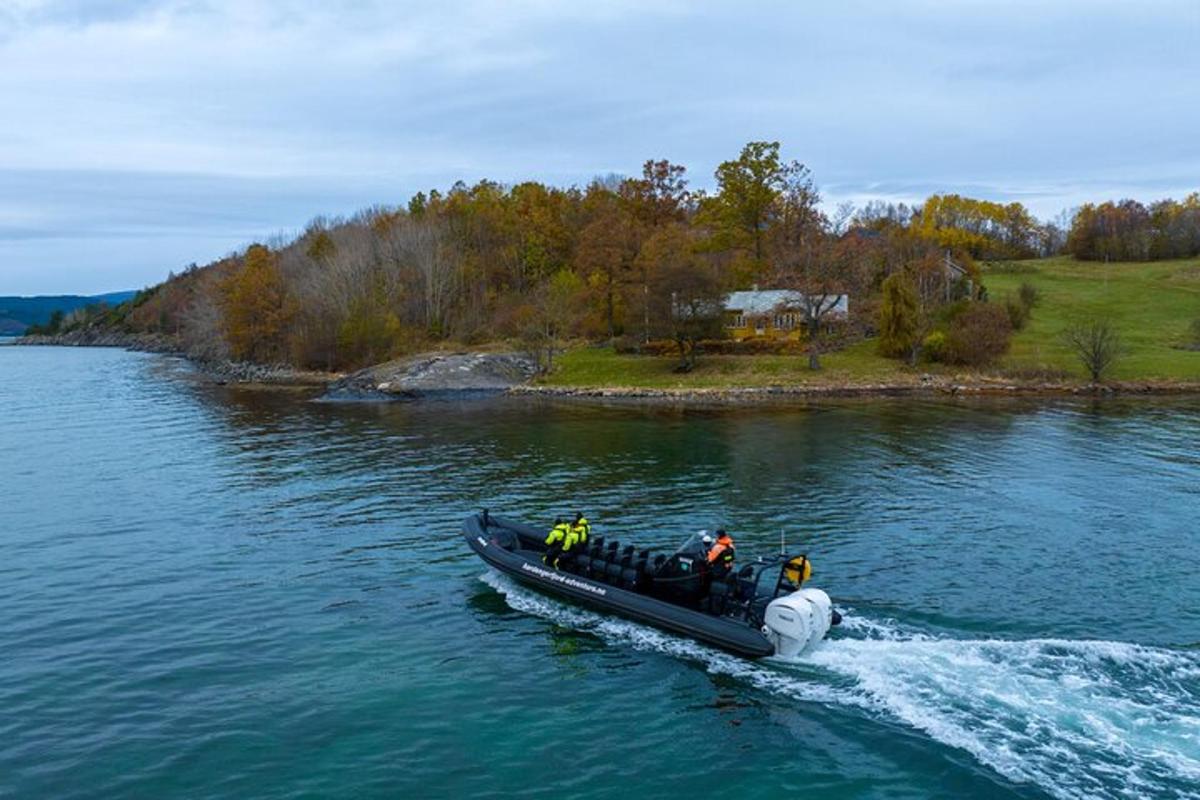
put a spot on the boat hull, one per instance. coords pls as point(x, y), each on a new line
point(732, 635)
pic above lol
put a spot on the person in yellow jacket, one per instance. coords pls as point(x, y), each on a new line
point(581, 528)
point(558, 541)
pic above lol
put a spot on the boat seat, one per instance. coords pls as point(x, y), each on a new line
point(504, 537)
point(641, 579)
point(628, 570)
point(612, 566)
point(578, 563)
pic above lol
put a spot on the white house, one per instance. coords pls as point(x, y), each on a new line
point(779, 312)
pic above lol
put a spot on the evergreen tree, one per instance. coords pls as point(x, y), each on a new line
point(898, 323)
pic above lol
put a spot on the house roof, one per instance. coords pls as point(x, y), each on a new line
point(765, 301)
point(762, 301)
point(954, 267)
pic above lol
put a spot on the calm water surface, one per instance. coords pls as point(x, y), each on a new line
point(213, 592)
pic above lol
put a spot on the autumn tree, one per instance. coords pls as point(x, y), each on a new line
point(747, 203)
point(686, 293)
point(255, 308)
point(1130, 231)
point(899, 318)
point(550, 316)
point(982, 228)
point(539, 217)
point(820, 268)
point(604, 257)
point(659, 197)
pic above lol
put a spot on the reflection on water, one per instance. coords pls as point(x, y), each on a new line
point(219, 591)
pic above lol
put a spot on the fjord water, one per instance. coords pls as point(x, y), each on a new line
point(218, 592)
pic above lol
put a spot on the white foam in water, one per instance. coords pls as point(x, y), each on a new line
point(1080, 719)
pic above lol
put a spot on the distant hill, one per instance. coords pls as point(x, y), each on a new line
point(18, 313)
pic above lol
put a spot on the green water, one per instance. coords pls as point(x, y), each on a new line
point(213, 592)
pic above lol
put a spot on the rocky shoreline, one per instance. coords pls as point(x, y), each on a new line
point(440, 374)
point(748, 395)
point(221, 372)
point(91, 337)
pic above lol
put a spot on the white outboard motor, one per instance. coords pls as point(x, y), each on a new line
point(797, 621)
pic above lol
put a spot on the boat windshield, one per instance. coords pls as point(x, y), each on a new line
point(694, 545)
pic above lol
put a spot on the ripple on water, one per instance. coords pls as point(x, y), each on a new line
point(213, 592)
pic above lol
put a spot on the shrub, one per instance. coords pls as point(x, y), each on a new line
point(720, 347)
point(1029, 295)
point(370, 334)
point(978, 335)
point(951, 311)
point(934, 346)
point(627, 345)
point(1018, 313)
point(751, 347)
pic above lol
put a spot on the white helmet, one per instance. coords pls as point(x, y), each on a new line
point(706, 539)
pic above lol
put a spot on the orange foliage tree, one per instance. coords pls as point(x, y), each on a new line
point(255, 308)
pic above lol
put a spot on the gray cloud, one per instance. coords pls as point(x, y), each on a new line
point(140, 136)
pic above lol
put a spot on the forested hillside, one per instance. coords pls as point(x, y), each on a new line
point(19, 313)
point(623, 259)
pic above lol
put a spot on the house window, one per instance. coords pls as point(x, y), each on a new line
point(739, 320)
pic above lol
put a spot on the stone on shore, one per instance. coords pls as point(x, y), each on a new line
point(434, 374)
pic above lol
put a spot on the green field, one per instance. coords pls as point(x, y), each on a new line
point(1152, 305)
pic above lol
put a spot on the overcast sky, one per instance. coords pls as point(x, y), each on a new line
point(137, 136)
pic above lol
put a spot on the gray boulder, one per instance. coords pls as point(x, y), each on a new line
point(434, 374)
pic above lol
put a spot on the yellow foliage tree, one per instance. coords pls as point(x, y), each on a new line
point(255, 308)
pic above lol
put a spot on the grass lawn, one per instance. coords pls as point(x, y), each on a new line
point(1152, 306)
point(601, 367)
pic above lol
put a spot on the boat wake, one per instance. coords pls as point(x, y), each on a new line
point(1080, 719)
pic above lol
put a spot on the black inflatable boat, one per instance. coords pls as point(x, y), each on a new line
point(759, 610)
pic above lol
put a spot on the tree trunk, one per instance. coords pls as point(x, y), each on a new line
point(609, 303)
point(645, 310)
point(814, 346)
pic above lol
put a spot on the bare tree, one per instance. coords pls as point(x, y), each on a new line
point(685, 292)
point(821, 271)
point(200, 329)
point(422, 245)
point(548, 315)
point(1096, 344)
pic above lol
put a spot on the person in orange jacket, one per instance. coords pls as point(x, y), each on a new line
point(721, 555)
